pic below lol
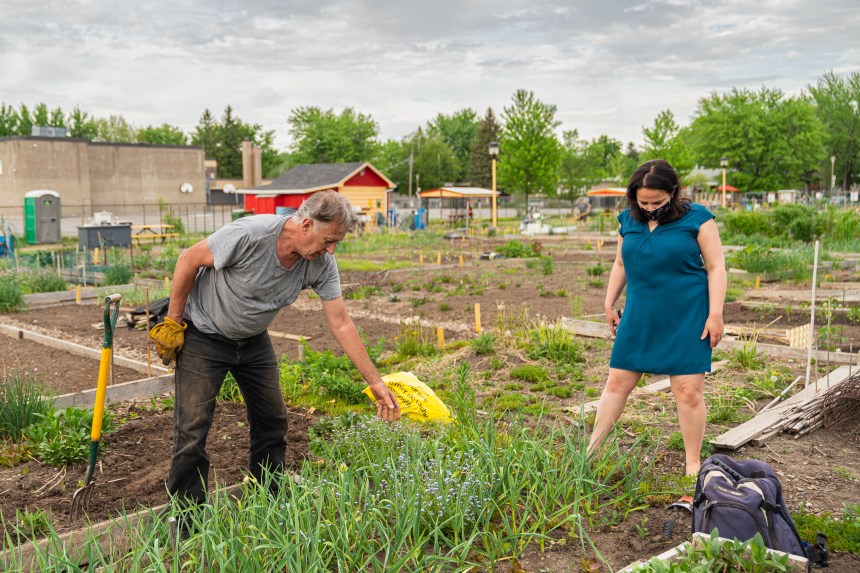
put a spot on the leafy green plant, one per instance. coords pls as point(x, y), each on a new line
point(746, 356)
point(11, 296)
point(717, 555)
point(576, 306)
point(484, 343)
point(42, 281)
point(724, 409)
point(843, 532)
point(63, 436)
point(444, 307)
point(547, 265)
point(553, 342)
point(675, 442)
point(362, 292)
point(118, 275)
point(23, 402)
point(517, 250)
point(32, 524)
point(229, 391)
point(562, 391)
point(596, 270)
point(853, 314)
point(415, 340)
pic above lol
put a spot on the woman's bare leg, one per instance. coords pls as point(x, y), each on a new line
point(692, 415)
point(619, 384)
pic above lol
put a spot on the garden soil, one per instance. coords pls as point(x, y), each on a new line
point(134, 462)
point(819, 471)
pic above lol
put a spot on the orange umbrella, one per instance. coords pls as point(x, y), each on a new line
point(729, 189)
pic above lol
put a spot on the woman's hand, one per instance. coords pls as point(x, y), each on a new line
point(714, 329)
point(613, 317)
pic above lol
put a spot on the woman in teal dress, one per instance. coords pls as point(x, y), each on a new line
point(670, 259)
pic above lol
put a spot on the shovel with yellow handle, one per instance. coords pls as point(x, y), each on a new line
point(81, 497)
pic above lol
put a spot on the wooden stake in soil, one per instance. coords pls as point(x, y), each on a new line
point(78, 294)
point(301, 352)
point(461, 261)
point(438, 258)
point(167, 283)
point(440, 337)
point(478, 318)
point(148, 354)
point(757, 282)
point(812, 318)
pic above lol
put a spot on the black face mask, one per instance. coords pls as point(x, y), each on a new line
point(656, 213)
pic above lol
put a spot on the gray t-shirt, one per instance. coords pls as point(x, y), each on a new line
point(248, 285)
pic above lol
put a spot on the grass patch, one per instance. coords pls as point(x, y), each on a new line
point(530, 373)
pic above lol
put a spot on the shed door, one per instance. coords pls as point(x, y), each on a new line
point(48, 217)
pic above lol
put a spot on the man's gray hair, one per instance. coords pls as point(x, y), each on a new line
point(328, 207)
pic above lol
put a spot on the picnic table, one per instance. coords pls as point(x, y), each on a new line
point(153, 232)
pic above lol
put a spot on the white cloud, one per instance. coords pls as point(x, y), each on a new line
point(610, 67)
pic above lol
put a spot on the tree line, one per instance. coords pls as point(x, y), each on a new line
point(771, 140)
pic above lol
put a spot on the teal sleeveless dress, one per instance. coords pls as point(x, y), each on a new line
point(667, 297)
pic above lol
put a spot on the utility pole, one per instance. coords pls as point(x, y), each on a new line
point(410, 178)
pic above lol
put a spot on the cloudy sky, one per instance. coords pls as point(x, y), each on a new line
point(609, 66)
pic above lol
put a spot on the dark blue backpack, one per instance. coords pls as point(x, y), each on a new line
point(742, 498)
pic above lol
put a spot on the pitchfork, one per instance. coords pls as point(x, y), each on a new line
point(81, 498)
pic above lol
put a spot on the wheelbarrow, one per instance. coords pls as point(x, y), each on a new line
point(81, 497)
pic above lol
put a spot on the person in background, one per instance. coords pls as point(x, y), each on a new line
point(670, 260)
point(226, 291)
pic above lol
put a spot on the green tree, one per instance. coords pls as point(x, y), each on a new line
point(165, 134)
point(222, 141)
point(206, 135)
point(392, 158)
point(837, 105)
point(479, 172)
point(530, 152)
point(8, 121)
point(772, 141)
point(81, 125)
point(434, 162)
point(322, 136)
point(457, 130)
point(115, 129)
point(663, 140)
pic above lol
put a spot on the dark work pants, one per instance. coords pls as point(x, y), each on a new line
point(200, 370)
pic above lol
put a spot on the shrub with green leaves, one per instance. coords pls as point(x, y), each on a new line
point(63, 436)
point(11, 295)
point(23, 402)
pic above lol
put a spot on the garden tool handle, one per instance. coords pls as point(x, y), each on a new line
point(110, 319)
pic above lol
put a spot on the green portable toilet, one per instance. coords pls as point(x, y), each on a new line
point(42, 217)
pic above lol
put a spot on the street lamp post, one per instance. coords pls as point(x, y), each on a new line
point(832, 174)
point(724, 162)
point(493, 148)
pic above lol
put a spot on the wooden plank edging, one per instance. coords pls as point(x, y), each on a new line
point(79, 350)
point(133, 390)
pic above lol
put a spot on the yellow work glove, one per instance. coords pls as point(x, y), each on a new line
point(169, 336)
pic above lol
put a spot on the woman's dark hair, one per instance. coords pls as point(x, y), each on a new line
point(657, 174)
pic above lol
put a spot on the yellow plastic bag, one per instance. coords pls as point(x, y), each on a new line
point(417, 399)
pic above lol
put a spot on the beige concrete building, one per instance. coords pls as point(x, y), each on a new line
point(91, 177)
